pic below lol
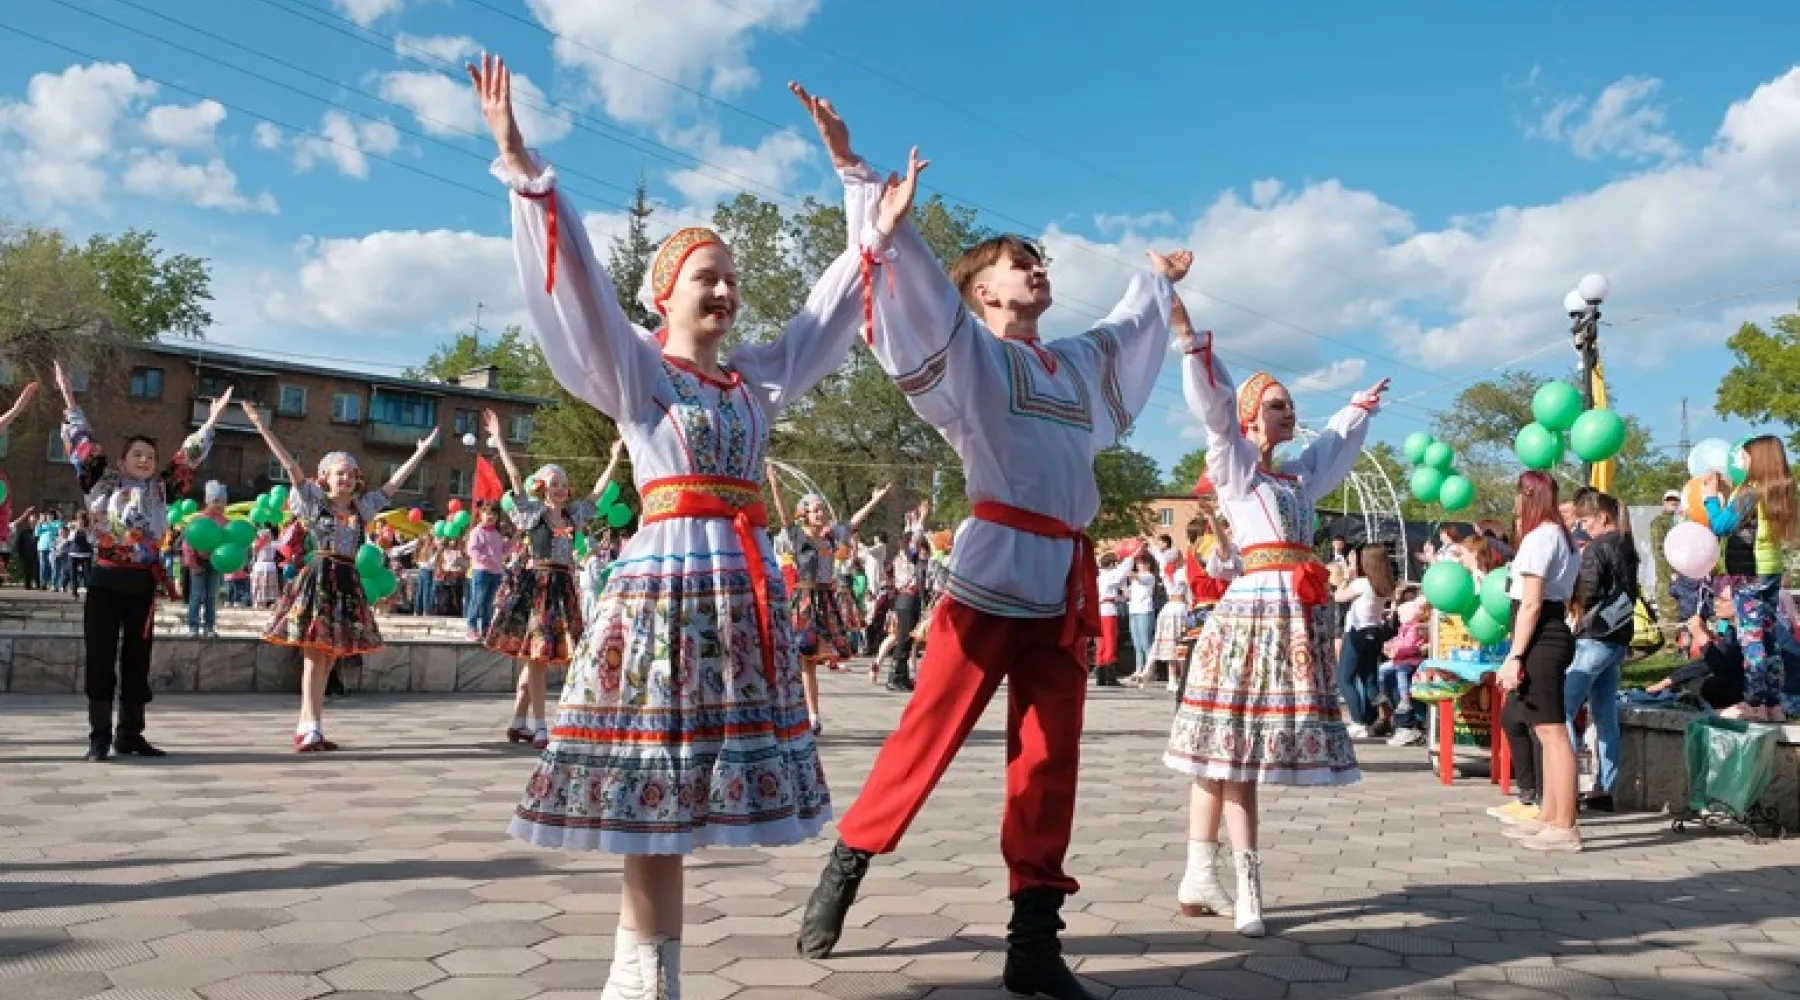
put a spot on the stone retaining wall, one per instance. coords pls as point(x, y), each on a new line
point(52, 664)
point(1653, 770)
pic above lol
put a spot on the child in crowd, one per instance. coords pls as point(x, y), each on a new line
point(1405, 651)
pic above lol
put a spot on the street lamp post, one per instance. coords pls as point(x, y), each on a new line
point(1583, 306)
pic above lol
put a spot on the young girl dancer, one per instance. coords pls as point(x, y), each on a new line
point(1171, 621)
point(1260, 704)
point(129, 503)
point(324, 612)
point(1756, 524)
point(682, 723)
point(538, 618)
point(824, 610)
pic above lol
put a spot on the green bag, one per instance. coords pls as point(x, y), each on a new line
point(1730, 764)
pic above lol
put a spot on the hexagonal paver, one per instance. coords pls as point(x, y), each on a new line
point(53, 985)
point(480, 988)
point(294, 958)
point(172, 972)
point(399, 975)
point(490, 961)
point(239, 920)
point(773, 972)
point(267, 986)
point(209, 943)
point(421, 946)
point(570, 975)
point(511, 934)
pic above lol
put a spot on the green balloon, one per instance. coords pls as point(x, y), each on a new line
point(230, 557)
point(1457, 493)
point(506, 502)
point(1495, 599)
point(1484, 627)
point(1414, 448)
point(205, 535)
point(379, 585)
point(1737, 463)
point(581, 546)
point(1426, 482)
point(1597, 435)
point(369, 559)
point(280, 496)
point(3, 491)
point(1450, 588)
point(1557, 406)
point(610, 495)
point(618, 515)
point(1537, 446)
point(1440, 456)
point(240, 532)
point(461, 519)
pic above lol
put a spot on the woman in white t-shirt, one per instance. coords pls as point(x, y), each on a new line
point(1140, 605)
point(1545, 570)
point(1106, 652)
point(1365, 596)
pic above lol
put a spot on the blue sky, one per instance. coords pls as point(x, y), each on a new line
point(1406, 188)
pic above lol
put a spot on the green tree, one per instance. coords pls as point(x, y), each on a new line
point(1763, 385)
point(1127, 479)
point(150, 294)
point(521, 365)
point(1187, 471)
point(630, 256)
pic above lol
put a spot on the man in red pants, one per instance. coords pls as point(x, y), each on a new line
point(1027, 418)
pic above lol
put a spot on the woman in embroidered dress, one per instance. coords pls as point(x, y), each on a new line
point(1171, 621)
point(324, 612)
point(265, 572)
point(129, 505)
point(1261, 703)
point(538, 617)
point(824, 610)
point(682, 723)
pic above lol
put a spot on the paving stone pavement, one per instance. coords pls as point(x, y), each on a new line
point(237, 871)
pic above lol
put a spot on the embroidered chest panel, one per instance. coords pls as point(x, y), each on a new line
point(1045, 386)
point(720, 427)
point(1284, 500)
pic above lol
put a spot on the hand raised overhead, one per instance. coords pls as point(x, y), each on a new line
point(493, 87)
point(832, 130)
point(1174, 266)
point(898, 194)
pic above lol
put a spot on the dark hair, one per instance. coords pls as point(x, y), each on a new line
point(1605, 505)
point(1378, 568)
point(1195, 529)
point(1108, 560)
point(986, 254)
point(135, 438)
point(1144, 556)
point(1165, 539)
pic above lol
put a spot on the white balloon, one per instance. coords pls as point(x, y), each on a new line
point(468, 440)
point(1692, 550)
point(1710, 455)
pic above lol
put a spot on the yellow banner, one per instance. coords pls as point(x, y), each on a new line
point(1602, 476)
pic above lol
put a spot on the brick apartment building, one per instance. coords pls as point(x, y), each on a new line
point(164, 391)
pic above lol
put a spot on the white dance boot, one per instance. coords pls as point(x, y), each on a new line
point(1249, 894)
point(659, 968)
point(1200, 893)
point(624, 981)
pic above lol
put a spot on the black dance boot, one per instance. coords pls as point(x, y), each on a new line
point(823, 922)
point(131, 740)
point(100, 730)
point(1034, 962)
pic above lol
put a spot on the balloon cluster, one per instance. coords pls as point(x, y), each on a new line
point(271, 507)
point(1485, 606)
point(1561, 425)
point(226, 546)
point(610, 510)
point(1691, 547)
point(453, 527)
point(378, 580)
point(1434, 477)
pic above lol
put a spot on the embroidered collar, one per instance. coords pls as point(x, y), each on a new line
point(1044, 354)
point(731, 380)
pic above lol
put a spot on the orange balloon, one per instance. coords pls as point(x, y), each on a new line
point(1692, 502)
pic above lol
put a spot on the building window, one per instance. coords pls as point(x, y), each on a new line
point(404, 409)
point(462, 482)
point(415, 483)
point(1166, 516)
point(346, 408)
point(146, 383)
point(55, 452)
point(278, 472)
point(468, 422)
point(214, 386)
point(518, 429)
point(293, 401)
point(225, 463)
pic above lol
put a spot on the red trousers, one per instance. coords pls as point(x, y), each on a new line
point(1108, 654)
point(967, 654)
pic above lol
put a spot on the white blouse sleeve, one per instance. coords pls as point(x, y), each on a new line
point(1327, 461)
point(813, 344)
point(590, 345)
point(1211, 396)
point(1122, 355)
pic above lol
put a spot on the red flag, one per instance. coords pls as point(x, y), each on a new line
point(487, 481)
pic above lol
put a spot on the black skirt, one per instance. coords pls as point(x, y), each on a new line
point(1547, 660)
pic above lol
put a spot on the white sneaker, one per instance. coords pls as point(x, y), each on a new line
point(1357, 731)
point(623, 981)
point(1406, 738)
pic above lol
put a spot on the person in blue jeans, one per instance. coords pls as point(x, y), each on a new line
point(487, 567)
point(49, 529)
point(204, 581)
point(1606, 596)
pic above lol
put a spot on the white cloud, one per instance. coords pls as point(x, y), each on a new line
point(1133, 223)
point(66, 125)
point(1340, 374)
point(765, 170)
point(1621, 122)
point(699, 44)
point(444, 105)
point(268, 136)
point(184, 126)
point(435, 48)
point(345, 144)
point(367, 12)
point(211, 185)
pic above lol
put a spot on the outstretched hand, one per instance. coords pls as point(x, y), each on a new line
point(832, 130)
point(25, 397)
point(219, 406)
point(898, 194)
point(62, 385)
point(1378, 389)
point(429, 441)
point(493, 86)
point(1174, 266)
point(250, 414)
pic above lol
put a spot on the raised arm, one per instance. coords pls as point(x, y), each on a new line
point(589, 344)
point(1122, 356)
point(178, 475)
point(1327, 461)
point(612, 466)
point(18, 407)
point(85, 454)
point(1230, 457)
point(490, 424)
point(405, 471)
point(295, 474)
point(875, 499)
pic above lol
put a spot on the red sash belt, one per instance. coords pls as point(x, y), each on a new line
point(723, 499)
point(1081, 619)
point(1312, 581)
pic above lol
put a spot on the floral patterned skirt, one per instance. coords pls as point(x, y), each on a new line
point(537, 616)
point(1171, 625)
point(824, 616)
point(1261, 701)
point(669, 736)
point(324, 610)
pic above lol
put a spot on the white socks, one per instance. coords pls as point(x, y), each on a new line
point(518, 722)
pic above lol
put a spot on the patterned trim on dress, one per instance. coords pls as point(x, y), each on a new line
point(1027, 401)
point(930, 372)
point(660, 497)
point(975, 596)
point(1110, 392)
point(1276, 556)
